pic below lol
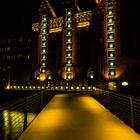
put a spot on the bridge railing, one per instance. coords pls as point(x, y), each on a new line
point(15, 116)
point(127, 108)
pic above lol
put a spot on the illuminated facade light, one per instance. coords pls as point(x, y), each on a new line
point(44, 57)
point(111, 54)
point(69, 32)
point(44, 18)
point(110, 36)
point(111, 72)
point(43, 64)
point(69, 12)
point(91, 76)
point(69, 19)
point(69, 39)
point(69, 61)
point(68, 69)
point(37, 77)
point(110, 27)
point(111, 63)
point(110, 19)
point(69, 46)
point(49, 77)
point(110, 11)
point(111, 45)
point(124, 83)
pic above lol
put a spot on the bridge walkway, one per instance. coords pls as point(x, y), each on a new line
point(77, 117)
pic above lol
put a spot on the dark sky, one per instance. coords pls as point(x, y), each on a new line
point(15, 14)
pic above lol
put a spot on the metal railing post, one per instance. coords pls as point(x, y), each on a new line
point(132, 115)
point(25, 114)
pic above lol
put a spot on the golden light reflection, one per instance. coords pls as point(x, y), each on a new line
point(54, 30)
point(42, 76)
point(83, 24)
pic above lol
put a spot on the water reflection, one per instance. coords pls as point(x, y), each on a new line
point(14, 122)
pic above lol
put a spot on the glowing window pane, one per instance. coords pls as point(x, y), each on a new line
point(68, 69)
point(69, 32)
point(44, 18)
point(110, 11)
point(43, 64)
point(110, 44)
point(69, 12)
point(69, 25)
point(69, 61)
point(69, 46)
point(68, 76)
point(69, 39)
point(111, 72)
point(43, 56)
point(44, 37)
point(44, 31)
point(111, 63)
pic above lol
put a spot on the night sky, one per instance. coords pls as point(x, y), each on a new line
point(17, 13)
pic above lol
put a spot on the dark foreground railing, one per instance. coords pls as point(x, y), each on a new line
point(125, 107)
point(15, 116)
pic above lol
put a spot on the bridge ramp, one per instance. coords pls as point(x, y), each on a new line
point(77, 117)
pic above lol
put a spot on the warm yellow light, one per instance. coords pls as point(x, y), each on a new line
point(83, 24)
point(54, 30)
point(124, 83)
point(112, 85)
point(42, 77)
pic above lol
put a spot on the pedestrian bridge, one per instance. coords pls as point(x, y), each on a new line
point(77, 117)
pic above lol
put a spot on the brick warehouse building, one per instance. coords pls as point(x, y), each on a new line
point(80, 47)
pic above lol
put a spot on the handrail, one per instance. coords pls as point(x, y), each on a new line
point(16, 115)
point(126, 107)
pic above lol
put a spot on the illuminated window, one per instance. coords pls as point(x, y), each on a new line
point(69, 18)
point(44, 25)
point(69, 12)
point(111, 45)
point(110, 10)
point(111, 27)
point(69, 47)
point(111, 54)
point(44, 50)
point(111, 72)
point(43, 56)
point(68, 61)
point(44, 31)
point(69, 32)
point(43, 64)
point(44, 43)
point(68, 76)
point(44, 37)
point(69, 25)
point(69, 54)
point(68, 69)
point(44, 18)
point(28, 56)
point(111, 63)
point(91, 76)
point(110, 36)
point(69, 39)
point(43, 70)
point(110, 19)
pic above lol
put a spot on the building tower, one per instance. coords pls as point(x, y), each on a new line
point(80, 47)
